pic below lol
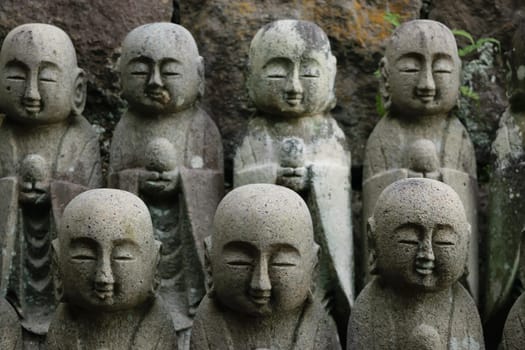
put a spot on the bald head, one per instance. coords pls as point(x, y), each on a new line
point(38, 41)
point(263, 212)
point(157, 41)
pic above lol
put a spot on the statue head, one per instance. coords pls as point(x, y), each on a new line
point(161, 70)
point(419, 235)
point(421, 69)
point(107, 255)
point(422, 156)
point(291, 69)
point(263, 252)
point(40, 82)
point(160, 155)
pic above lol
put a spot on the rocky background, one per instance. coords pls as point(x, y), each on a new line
point(223, 29)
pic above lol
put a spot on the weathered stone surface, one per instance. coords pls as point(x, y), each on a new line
point(419, 237)
point(10, 330)
point(168, 151)
point(48, 151)
point(96, 28)
point(105, 269)
point(357, 30)
point(262, 259)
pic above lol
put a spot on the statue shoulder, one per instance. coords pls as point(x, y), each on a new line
point(514, 330)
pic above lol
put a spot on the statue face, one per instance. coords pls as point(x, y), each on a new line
point(292, 77)
point(423, 69)
point(421, 240)
point(161, 69)
point(261, 264)
point(39, 79)
point(107, 255)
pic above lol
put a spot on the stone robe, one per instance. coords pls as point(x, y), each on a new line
point(386, 161)
point(72, 151)
point(183, 221)
point(216, 328)
point(328, 193)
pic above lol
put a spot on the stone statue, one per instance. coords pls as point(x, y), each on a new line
point(48, 154)
point(10, 330)
point(167, 150)
point(105, 266)
point(262, 259)
point(292, 140)
point(419, 136)
point(507, 190)
point(418, 237)
point(514, 331)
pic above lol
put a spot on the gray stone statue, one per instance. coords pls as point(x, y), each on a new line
point(262, 258)
point(514, 331)
point(418, 237)
point(167, 150)
point(48, 154)
point(10, 330)
point(105, 265)
point(420, 136)
point(507, 190)
point(292, 140)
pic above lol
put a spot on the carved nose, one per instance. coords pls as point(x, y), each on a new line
point(293, 84)
point(31, 91)
point(260, 278)
point(426, 82)
point(425, 252)
point(104, 273)
point(155, 78)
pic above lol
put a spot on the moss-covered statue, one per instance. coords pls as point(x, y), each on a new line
point(292, 140)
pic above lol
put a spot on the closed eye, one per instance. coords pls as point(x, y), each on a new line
point(410, 70)
point(139, 73)
point(171, 74)
point(408, 241)
point(310, 76)
point(444, 243)
point(283, 264)
point(276, 76)
point(124, 258)
point(16, 77)
point(48, 80)
point(239, 263)
point(83, 257)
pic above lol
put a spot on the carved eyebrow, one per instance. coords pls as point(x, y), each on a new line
point(240, 245)
point(285, 248)
point(278, 60)
point(16, 63)
point(49, 64)
point(141, 59)
point(83, 242)
point(442, 55)
point(169, 60)
point(413, 55)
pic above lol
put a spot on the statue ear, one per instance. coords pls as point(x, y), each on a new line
point(79, 94)
point(200, 72)
point(384, 86)
point(207, 266)
point(372, 254)
point(55, 271)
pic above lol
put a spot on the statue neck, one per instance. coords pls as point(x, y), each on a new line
point(432, 120)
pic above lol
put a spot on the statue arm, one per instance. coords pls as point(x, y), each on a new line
point(252, 165)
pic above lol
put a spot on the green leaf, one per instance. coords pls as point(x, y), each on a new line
point(380, 108)
point(392, 18)
point(468, 92)
point(464, 34)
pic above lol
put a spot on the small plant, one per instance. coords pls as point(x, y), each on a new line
point(474, 44)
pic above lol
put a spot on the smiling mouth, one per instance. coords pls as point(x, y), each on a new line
point(425, 268)
point(104, 293)
point(426, 98)
point(260, 298)
point(294, 100)
point(32, 107)
point(160, 96)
